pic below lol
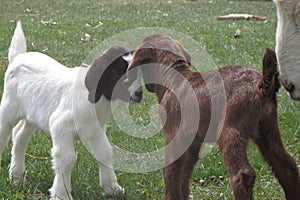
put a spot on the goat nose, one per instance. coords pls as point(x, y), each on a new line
point(138, 94)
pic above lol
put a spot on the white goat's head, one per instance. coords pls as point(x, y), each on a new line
point(288, 45)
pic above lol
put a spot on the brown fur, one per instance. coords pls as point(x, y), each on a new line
point(250, 114)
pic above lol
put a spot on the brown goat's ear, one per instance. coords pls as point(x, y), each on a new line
point(270, 82)
point(141, 56)
point(269, 62)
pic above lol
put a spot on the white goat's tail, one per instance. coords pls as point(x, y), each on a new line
point(18, 43)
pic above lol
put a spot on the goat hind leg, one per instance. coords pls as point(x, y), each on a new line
point(7, 122)
point(283, 164)
point(21, 135)
point(234, 150)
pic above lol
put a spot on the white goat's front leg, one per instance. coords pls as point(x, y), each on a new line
point(64, 158)
point(102, 151)
point(21, 135)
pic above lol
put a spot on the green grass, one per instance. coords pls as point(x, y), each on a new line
point(196, 19)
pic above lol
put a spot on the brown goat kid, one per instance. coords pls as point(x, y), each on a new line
point(249, 113)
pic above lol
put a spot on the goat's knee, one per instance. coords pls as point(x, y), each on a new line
point(102, 150)
point(107, 176)
point(64, 158)
point(242, 183)
point(62, 164)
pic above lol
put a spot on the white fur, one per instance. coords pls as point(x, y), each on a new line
point(18, 43)
point(288, 44)
point(40, 93)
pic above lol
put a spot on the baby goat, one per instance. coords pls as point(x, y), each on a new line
point(69, 103)
point(250, 113)
point(288, 45)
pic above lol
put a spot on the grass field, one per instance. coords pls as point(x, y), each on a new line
point(196, 19)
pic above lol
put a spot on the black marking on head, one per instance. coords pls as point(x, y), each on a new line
point(104, 74)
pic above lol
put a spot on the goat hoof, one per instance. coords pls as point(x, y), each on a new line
point(115, 190)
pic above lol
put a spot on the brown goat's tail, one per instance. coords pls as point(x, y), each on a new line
point(270, 83)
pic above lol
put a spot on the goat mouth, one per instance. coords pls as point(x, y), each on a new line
point(134, 99)
point(294, 97)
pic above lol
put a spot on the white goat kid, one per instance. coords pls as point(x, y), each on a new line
point(288, 45)
point(69, 103)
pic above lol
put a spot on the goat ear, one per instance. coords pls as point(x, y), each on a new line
point(94, 80)
point(269, 65)
point(105, 72)
point(269, 82)
point(297, 14)
point(269, 61)
point(150, 87)
point(140, 56)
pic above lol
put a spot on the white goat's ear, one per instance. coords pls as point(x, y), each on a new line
point(297, 14)
point(128, 57)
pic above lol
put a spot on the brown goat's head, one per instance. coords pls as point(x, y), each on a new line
point(157, 50)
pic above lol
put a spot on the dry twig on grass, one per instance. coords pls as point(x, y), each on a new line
point(241, 16)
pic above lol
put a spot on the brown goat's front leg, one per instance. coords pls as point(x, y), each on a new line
point(172, 180)
point(177, 174)
point(172, 170)
point(233, 146)
point(191, 157)
point(283, 164)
